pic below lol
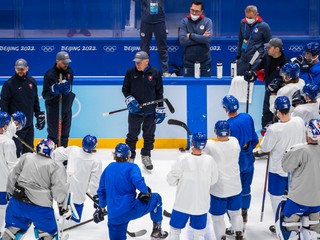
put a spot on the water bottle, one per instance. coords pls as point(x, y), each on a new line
point(196, 70)
point(233, 69)
point(219, 69)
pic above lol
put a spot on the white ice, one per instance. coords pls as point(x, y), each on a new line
point(162, 161)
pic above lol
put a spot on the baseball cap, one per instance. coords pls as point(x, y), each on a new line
point(274, 42)
point(140, 56)
point(63, 56)
point(21, 63)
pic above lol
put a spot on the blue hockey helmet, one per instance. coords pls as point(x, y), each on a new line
point(297, 98)
point(313, 129)
point(230, 103)
point(310, 90)
point(290, 70)
point(122, 150)
point(45, 147)
point(5, 118)
point(282, 103)
point(199, 140)
point(222, 128)
point(313, 48)
point(89, 143)
point(21, 118)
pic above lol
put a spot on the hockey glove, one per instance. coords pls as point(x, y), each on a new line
point(145, 197)
point(55, 89)
point(297, 98)
point(160, 114)
point(41, 120)
point(95, 201)
point(98, 215)
point(64, 87)
point(65, 213)
point(275, 85)
point(250, 76)
point(303, 63)
point(132, 104)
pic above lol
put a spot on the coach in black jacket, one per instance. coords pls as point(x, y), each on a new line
point(52, 88)
point(20, 93)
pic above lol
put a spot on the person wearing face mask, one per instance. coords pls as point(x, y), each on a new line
point(309, 63)
point(195, 33)
point(253, 34)
point(20, 93)
point(8, 160)
point(58, 81)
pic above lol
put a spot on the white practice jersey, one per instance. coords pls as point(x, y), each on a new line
point(83, 171)
point(307, 111)
point(226, 155)
point(8, 159)
point(278, 138)
point(193, 175)
point(287, 90)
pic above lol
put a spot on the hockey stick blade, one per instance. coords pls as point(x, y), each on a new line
point(179, 123)
point(166, 213)
point(140, 106)
point(171, 108)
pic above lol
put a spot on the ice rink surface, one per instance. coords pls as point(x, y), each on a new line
point(162, 161)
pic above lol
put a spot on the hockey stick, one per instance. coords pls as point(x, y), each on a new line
point(60, 115)
point(182, 124)
point(24, 143)
point(166, 213)
point(253, 59)
point(170, 107)
point(131, 234)
point(264, 189)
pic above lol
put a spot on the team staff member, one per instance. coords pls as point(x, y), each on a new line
point(20, 93)
point(141, 84)
point(52, 88)
point(195, 32)
point(153, 22)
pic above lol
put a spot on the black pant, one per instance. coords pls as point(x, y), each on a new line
point(267, 116)
point(53, 126)
point(160, 34)
point(148, 128)
point(27, 135)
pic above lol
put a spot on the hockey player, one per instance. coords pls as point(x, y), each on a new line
point(83, 170)
point(226, 193)
point(193, 174)
point(279, 137)
point(310, 110)
point(286, 86)
point(117, 191)
point(242, 128)
point(309, 63)
point(34, 182)
point(300, 213)
point(8, 159)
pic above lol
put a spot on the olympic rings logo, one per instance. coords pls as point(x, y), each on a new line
point(110, 48)
point(232, 48)
point(47, 48)
point(173, 48)
point(296, 48)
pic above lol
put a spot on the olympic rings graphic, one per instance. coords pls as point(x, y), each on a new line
point(47, 48)
point(173, 48)
point(296, 48)
point(110, 48)
point(232, 48)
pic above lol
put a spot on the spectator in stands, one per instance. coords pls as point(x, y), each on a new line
point(153, 22)
point(195, 32)
point(253, 34)
point(309, 63)
point(78, 12)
